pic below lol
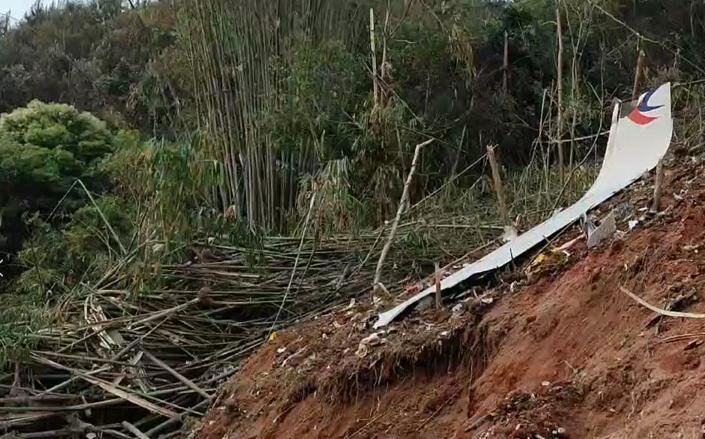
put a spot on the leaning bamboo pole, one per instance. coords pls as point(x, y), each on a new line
point(559, 80)
point(376, 283)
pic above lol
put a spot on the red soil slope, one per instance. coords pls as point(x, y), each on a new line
point(564, 354)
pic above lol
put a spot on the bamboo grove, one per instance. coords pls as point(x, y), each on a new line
point(239, 55)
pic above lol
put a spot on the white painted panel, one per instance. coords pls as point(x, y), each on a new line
point(635, 145)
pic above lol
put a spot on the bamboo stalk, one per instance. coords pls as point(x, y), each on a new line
point(102, 217)
point(638, 74)
point(205, 344)
point(132, 398)
point(437, 278)
point(373, 49)
point(230, 50)
point(559, 80)
point(663, 312)
point(134, 430)
point(296, 262)
point(177, 375)
point(658, 188)
point(400, 210)
point(498, 186)
point(658, 178)
point(505, 64)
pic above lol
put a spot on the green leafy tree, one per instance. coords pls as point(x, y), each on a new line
point(44, 148)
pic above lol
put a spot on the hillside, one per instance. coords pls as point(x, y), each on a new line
point(207, 206)
point(560, 353)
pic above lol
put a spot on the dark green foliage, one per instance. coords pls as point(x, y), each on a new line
point(162, 180)
point(304, 90)
point(57, 258)
point(97, 56)
point(21, 316)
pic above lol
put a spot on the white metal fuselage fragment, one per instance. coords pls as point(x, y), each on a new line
point(636, 143)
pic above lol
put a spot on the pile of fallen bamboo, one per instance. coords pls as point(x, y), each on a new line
point(136, 364)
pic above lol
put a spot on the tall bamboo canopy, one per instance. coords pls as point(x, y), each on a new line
point(234, 48)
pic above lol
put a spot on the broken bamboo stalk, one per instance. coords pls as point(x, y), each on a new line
point(152, 321)
point(171, 422)
point(166, 312)
point(437, 275)
point(132, 398)
point(658, 188)
point(296, 261)
point(105, 220)
point(658, 179)
point(373, 48)
point(559, 79)
point(505, 64)
point(402, 204)
point(498, 186)
point(190, 384)
point(113, 390)
point(638, 74)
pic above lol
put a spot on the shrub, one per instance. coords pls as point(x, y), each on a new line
point(44, 148)
point(58, 258)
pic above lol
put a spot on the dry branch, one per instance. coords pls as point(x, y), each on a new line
point(134, 430)
point(437, 279)
point(190, 384)
point(559, 70)
point(638, 74)
point(505, 64)
point(373, 50)
point(400, 210)
point(663, 312)
point(498, 186)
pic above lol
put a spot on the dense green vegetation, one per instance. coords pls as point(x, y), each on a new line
point(101, 57)
point(132, 129)
point(186, 177)
point(44, 149)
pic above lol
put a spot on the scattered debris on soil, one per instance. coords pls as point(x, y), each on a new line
point(554, 350)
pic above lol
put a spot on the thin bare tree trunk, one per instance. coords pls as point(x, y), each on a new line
point(658, 187)
point(547, 151)
point(658, 178)
point(375, 84)
point(638, 74)
point(454, 169)
point(498, 186)
point(692, 19)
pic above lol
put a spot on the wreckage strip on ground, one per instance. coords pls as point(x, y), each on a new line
point(638, 140)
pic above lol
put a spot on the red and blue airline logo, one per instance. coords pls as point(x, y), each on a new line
point(639, 116)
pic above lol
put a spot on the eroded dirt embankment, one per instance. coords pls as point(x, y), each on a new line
point(562, 354)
